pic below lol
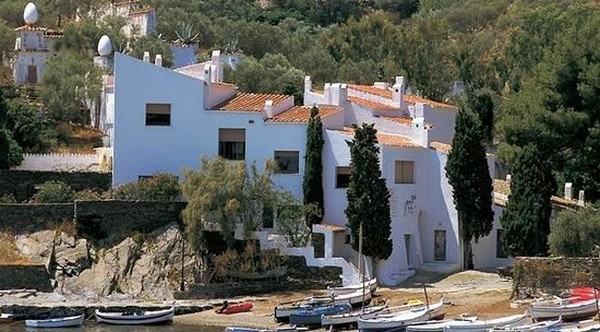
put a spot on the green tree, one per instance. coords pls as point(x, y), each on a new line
point(575, 233)
point(159, 187)
point(368, 196)
point(292, 219)
point(30, 127)
point(154, 46)
point(313, 166)
point(469, 177)
point(4, 149)
point(526, 218)
point(68, 82)
point(482, 103)
point(53, 192)
point(7, 41)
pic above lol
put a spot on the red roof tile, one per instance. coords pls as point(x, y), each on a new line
point(387, 93)
point(442, 147)
point(385, 138)
point(403, 120)
point(302, 113)
point(251, 102)
point(416, 99)
point(371, 104)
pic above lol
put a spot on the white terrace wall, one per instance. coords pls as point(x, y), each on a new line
point(59, 162)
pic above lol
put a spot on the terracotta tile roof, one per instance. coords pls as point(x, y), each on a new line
point(387, 93)
point(385, 138)
point(224, 84)
point(333, 228)
point(141, 11)
point(302, 113)
point(403, 120)
point(502, 191)
point(47, 32)
point(371, 104)
point(251, 102)
point(321, 92)
point(372, 90)
point(442, 147)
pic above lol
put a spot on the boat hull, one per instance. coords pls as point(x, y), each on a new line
point(55, 322)
point(567, 312)
point(351, 318)
point(145, 318)
point(402, 319)
point(312, 316)
point(484, 325)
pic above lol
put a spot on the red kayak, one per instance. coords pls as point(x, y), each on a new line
point(234, 308)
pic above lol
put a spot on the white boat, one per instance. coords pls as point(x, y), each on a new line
point(353, 298)
point(401, 319)
point(339, 290)
point(545, 326)
point(143, 317)
point(587, 328)
point(468, 324)
point(568, 311)
point(70, 321)
point(350, 318)
point(278, 329)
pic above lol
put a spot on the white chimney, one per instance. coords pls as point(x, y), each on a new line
point(146, 56)
point(398, 91)
point(269, 109)
point(581, 199)
point(158, 60)
point(508, 178)
point(569, 190)
point(381, 85)
point(307, 84)
point(207, 74)
point(215, 60)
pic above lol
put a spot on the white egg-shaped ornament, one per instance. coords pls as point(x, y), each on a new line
point(30, 14)
point(104, 46)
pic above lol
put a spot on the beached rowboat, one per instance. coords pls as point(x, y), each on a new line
point(351, 318)
point(370, 285)
point(312, 316)
point(568, 311)
point(279, 329)
point(145, 317)
point(545, 326)
point(402, 319)
point(472, 325)
point(70, 321)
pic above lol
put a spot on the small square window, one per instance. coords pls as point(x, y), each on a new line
point(232, 143)
point(342, 176)
point(158, 114)
point(287, 162)
point(404, 171)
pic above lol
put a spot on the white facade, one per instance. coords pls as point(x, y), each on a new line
point(141, 20)
point(33, 47)
point(413, 134)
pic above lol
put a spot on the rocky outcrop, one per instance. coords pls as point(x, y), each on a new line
point(142, 265)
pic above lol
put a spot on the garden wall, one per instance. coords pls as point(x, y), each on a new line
point(25, 276)
point(22, 184)
point(553, 275)
point(20, 218)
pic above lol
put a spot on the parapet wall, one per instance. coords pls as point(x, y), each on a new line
point(25, 276)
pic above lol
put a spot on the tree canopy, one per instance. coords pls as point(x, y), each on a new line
point(575, 233)
point(313, 168)
point(368, 196)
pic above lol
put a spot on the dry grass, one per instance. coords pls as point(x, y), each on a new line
point(67, 227)
point(9, 254)
point(82, 140)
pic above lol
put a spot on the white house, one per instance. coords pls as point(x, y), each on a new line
point(164, 120)
point(141, 19)
point(34, 45)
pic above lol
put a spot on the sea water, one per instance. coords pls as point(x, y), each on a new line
point(93, 327)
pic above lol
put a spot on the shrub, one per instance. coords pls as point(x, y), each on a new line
point(575, 233)
point(53, 192)
point(159, 187)
point(7, 198)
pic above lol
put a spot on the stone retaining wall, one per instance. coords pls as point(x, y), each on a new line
point(20, 218)
point(21, 184)
point(25, 276)
point(553, 275)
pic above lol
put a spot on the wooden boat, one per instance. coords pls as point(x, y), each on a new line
point(235, 308)
point(568, 311)
point(70, 321)
point(354, 298)
point(282, 312)
point(402, 319)
point(6, 318)
point(279, 329)
point(143, 317)
point(368, 285)
point(588, 328)
point(312, 316)
point(351, 318)
point(468, 324)
point(545, 326)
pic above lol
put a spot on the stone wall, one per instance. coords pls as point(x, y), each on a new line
point(25, 276)
point(20, 218)
point(553, 274)
point(21, 184)
point(104, 219)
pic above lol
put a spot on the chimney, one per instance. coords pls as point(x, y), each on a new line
point(269, 109)
point(158, 60)
point(215, 60)
point(581, 199)
point(398, 91)
point(569, 190)
point(307, 84)
point(146, 56)
point(508, 178)
point(207, 74)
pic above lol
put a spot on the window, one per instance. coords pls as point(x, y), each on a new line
point(500, 251)
point(439, 251)
point(287, 162)
point(342, 176)
point(158, 114)
point(404, 171)
point(232, 144)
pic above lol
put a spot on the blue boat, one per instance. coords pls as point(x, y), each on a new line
point(312, 316)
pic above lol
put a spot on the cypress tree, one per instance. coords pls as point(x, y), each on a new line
point(4, 134)
point(312, 184)
point(468, 174)
point(368, 196)
point(526, 219)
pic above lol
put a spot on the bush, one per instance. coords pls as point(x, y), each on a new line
point(53, 192)
point(159, 187)
point(7, 198)
point(575, 233)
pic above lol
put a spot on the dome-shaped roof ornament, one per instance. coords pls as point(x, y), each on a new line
point(104, 46)
point(30, 14)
